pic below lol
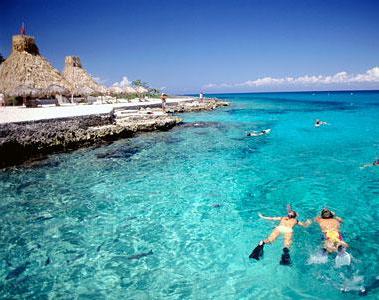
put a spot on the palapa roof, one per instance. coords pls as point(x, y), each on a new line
point(75, 74)
point(116, 90)
point(129, 90)
point(26, 67)
point(141, 89)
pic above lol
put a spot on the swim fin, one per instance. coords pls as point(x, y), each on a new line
point(286, 258)
point(342, 258)
point(257, 253)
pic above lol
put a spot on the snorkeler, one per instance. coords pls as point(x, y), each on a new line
point(330, 225)
point(259, 133)
point(319, 123)
point(285, 228)
point(375, 163)
point(333, 241)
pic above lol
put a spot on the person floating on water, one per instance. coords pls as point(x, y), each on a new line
point(333, 241)
point(319, 123)
point(375, 163)
point(285, 228)
point(330, 225)
point(259, 133)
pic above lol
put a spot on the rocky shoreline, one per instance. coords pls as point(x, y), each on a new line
point(22, 142)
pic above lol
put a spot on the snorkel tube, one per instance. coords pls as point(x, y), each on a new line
point(290, 212)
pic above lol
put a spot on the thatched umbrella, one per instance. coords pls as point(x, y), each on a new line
point(56, 89)
point(26, 91)
point(141, 90)
point(116, 90)
point(129, 90)
point(84, 91)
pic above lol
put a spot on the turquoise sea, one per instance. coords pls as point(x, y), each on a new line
point(188, 199)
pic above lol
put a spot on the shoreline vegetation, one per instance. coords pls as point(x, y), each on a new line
point(51, 111)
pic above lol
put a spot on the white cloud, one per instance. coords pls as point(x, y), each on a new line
point(371, 75)
point(124, 82)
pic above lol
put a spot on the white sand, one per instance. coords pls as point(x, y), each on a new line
point(13, 114)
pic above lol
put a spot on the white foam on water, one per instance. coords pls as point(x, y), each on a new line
point(318, 258)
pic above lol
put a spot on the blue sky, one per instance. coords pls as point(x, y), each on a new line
point(219, 46)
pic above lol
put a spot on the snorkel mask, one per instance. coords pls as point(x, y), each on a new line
point(327, 214)
point(290, 212)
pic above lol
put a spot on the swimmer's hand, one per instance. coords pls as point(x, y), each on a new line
point(306, 223)
point(269, 218)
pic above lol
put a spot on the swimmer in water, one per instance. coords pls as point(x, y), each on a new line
point(319, 123)
point(374, 164)
point(330, 225)
point(284, 228)
point(259, 133)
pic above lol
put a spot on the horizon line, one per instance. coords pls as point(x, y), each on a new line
point(305, 91)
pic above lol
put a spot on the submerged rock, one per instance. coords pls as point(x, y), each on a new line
point(17, 272)
point(140, 255)
point(20, 142)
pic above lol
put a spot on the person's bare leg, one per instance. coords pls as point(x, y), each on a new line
point(288, 239)
point(273, 236)
point(330, 247)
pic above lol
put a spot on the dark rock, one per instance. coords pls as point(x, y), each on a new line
point(19, 142)
point(140, 255)
point(48, 261)
point(17, 272)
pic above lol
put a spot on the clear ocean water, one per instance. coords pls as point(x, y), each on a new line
point(72, 225)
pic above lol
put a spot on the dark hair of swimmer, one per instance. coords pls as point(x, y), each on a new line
point(327, 214)
point(292, 214)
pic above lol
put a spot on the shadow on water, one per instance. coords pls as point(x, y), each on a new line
point(124, 151)
point(201, 125)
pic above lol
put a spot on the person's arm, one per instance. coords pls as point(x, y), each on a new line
point(337, 218)
point(305, 224)
point(269, 218)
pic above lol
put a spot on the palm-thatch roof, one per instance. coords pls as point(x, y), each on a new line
point(75, 74)
point(56, 89)
point(25, 66)
point(129, 90)
point(116, 90)
point(84, 91)
point(25, 90)
point(141, 90)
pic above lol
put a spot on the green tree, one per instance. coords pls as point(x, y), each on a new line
point(139, 82)
point(1, 59)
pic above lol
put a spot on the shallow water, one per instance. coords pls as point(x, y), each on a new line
point(70, 226)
